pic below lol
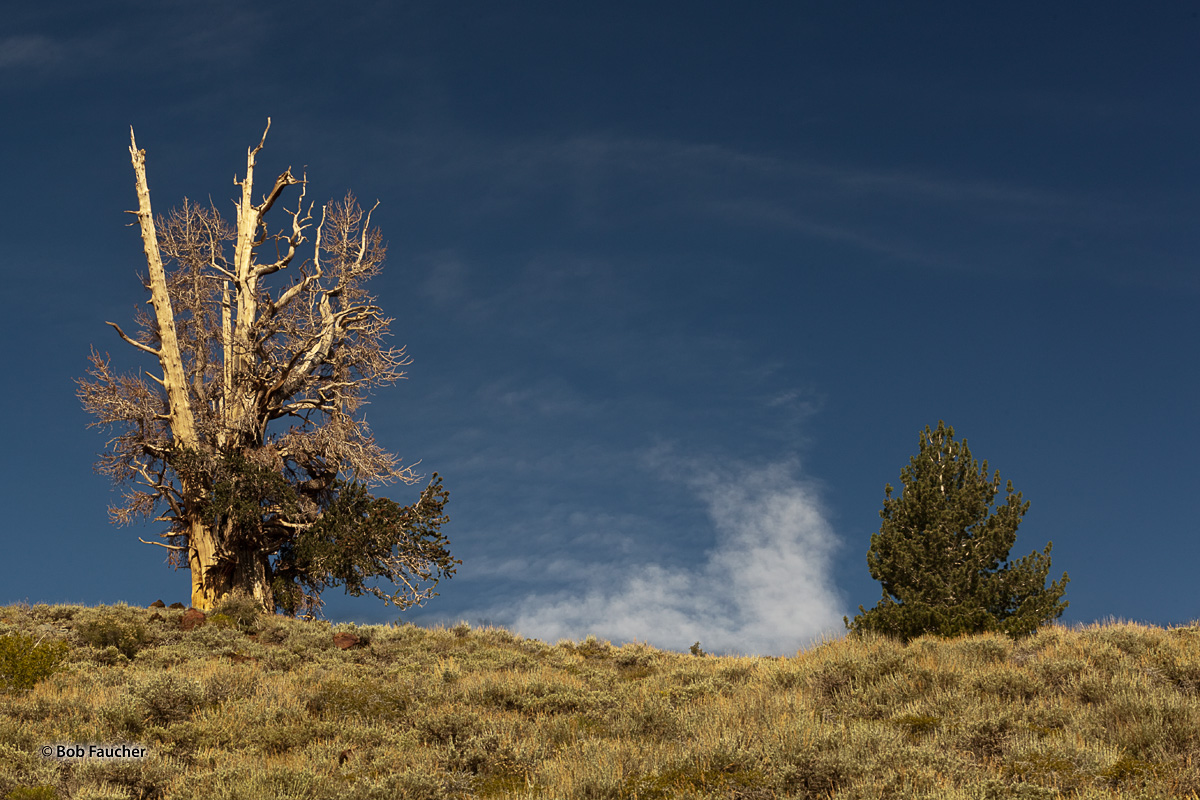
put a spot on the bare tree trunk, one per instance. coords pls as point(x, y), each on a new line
point(202, 543)
point(202, 559)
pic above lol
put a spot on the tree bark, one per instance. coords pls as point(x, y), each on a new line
point(250, 576)
point(202, 561)
point(202, 541)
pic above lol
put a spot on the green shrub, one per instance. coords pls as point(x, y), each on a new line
point(1127, 769)
point(125, 716)
point(240, 609)
point(690, 779)
point(272, 632)
point(168, 698)
point(221, 621)
point(217, 640)
point(24, 661)
point(102, 632)
point(917, 724)
point(362, 699)
point(33, 793)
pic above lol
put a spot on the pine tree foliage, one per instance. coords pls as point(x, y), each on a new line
point(941, 553)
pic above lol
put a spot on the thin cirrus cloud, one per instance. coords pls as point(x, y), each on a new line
point(766, 587)
point(977, 223)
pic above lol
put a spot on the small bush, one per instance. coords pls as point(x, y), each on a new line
point(240, 609)
point(1127, 769)
point(221, 621)
point(125, 716)
point(167, 698)
point(102, 632)
point(917, 724)
point(218, 639)
point(272, 632)
point(362, 699)
point(33, 793)
point(591, 647)
point(25, 661)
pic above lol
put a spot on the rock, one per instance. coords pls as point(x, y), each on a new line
point(158, 604)
point(192, 618)
point(347, 640)
point(155, 617)
point(177, 605)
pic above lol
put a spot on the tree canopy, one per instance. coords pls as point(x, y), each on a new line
point(941, 553)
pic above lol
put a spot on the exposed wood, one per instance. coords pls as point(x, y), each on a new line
point(182, 422)
point(137, 344)
point(162, 544)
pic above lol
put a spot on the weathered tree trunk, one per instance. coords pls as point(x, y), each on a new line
point(202, 559)
point(202, 542)
point(217, 574)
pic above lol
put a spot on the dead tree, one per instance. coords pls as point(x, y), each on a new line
point(247, 442)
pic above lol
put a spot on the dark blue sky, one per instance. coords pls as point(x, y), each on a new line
point(682, 283)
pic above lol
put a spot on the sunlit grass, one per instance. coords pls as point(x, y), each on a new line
point(270, 707)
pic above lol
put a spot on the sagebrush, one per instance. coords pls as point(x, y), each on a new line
point(278, 710)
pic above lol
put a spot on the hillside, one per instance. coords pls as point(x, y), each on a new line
point(268, 707)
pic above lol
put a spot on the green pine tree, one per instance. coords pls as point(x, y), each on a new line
point(942, 549)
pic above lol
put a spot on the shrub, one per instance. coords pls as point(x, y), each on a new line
point(240, 610)
point(220, 621)
point(102, 632)
point(358, 698)
point(25, 661)
point(168, 698)
point(918, 724)
point(33, 793)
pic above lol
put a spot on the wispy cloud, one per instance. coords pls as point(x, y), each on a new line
point(765, 587)
point(209, 37)
point(29, 51)
point(907, 216)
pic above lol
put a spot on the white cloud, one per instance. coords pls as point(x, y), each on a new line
point(765, 588)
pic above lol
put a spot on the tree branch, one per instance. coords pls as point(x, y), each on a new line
point(134, 342)
point(160, 544)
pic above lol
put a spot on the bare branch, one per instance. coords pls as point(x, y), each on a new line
point(282, 182)
point(161, 544)
point(134, 342)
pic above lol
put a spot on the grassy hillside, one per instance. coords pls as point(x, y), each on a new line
point(267, 707)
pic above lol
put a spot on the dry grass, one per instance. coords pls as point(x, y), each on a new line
point(270, 708)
